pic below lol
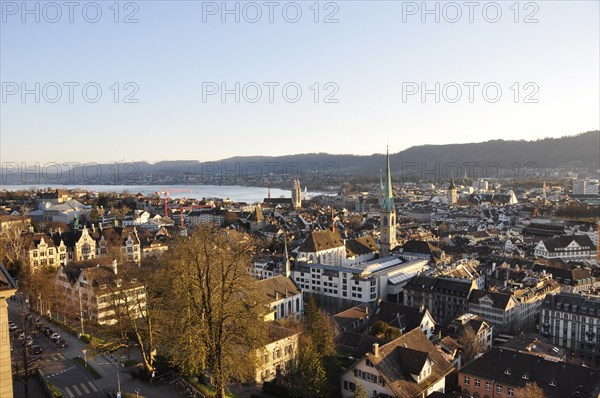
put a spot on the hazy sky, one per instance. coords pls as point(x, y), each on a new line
point(369, 65)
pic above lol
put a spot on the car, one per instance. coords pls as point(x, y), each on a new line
point(62, 343)
point(55, 337)
point(48, 332)
point(35, 350)
point(20, 334)
point(28, 341)
point(13, 327)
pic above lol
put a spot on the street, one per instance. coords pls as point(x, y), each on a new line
point(57, 365)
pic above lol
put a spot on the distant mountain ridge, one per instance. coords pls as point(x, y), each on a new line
point(581, 150)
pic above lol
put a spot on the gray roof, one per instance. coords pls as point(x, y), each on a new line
point(557, 379)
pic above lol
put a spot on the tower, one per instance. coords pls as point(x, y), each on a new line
point(296, 194)
point(452, 196)
point(387, 216)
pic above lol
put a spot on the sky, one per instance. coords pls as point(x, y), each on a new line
point(169, 80)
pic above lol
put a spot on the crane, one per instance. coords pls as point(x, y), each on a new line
point(166, 197)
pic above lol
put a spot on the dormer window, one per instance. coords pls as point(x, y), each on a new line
point(525, 376)
point(507, 372)
point(552, 383)
point(103, 286)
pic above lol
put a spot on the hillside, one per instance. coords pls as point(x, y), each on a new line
point(577, 151)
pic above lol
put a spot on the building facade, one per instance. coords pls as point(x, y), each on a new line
point(573, 321)
point(407, 367)
point(575, 247)
point(499, 373)
point(275, 358)
point(381, 279)
point(445, 297)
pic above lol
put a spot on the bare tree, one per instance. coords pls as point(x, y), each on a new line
point(531, 390)
point(470, 344)
point(13, 245)
point(138, 310)
point(216, 307)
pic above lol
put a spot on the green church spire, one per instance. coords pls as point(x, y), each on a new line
point(388, 196)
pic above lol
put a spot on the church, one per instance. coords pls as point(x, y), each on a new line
point(387, 215)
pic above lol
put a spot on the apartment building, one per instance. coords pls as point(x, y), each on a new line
point(499, 373)
point(444, 296)
point(573, 321)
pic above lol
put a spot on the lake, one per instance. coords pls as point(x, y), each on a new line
point(234, 192)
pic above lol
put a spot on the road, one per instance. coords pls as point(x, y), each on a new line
point(58, 366)
point(55, 363)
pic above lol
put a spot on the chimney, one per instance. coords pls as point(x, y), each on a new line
point(59, 231)
point(51, 232)
point(93, 227)
point(276, 295)
point(376, 349)
point(367, 310)
point(114, 266)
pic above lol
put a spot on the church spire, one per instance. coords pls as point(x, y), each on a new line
point(388, 196)
point(387, 217)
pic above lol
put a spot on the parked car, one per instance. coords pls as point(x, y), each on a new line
point(62, 343)
point(20, 334)
point(48, 332)
point(55, 337)
point(28, 341)
point(12, 327)
point(35, 350)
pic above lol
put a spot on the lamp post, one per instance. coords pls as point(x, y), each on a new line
point(118, 378)
point(80, 312)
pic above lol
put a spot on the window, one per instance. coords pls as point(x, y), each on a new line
point(510, 392)
point(498, 389)
point(467, 380)
point(349, 386)
point(477, 383)
point(488, 386)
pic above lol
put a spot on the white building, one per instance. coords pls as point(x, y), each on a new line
point(284, 298)
point(65, 212)
point(275, 358)
point(585, 186)
point(325, 247)
point(575, 247)
point(573, 321)
point(383, 279)
point(480, 185)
